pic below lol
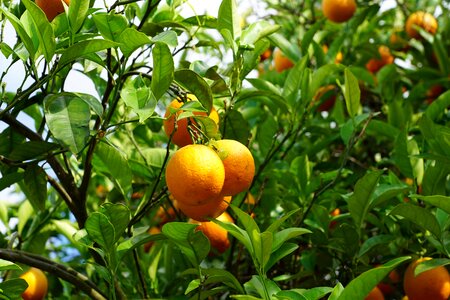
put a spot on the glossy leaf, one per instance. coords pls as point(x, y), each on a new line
point(163, 69)
point(22, 33)
point(110, 25)
point(284, 250)
point(193, 244)
point(131, 39)
point(196, 85)
point(139, 97)
point(361, 286)
point(68, 119)
point(374, 241)
point(78, 10)
point(168, 37)
point(110, 161)
point(257, 31)
point(31, 150)
point(235, 127)
point(284, 235)
point(8, 265)
point(222, 276)
point(119, 215)
point(15, 286)
point(420, 216)
point(83, 48)
point(35, 186)
point(101, 229)
point(229, 19)
point(352, 94)
point(359, 201)
point(443, 202)
point(44, 30)
point(430, 264)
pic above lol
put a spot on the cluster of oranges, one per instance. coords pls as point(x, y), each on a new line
point(201, 178)
point(432, 284)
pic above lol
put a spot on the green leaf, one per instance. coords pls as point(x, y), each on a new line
point(32, 150)
point(194, 244)
point(256, 31)
point(337, 291)
point(437, 136)
point(294, 79)
point(385, 192)
point(137, 95)
point(309, 35)
point(443, 202)
point(22, 33)
point(430, 264)
point(283, 251)
point(78, 10)
point(101, 229)
point(131, 39)
point(119, 216)
point(196, 85)
point(44, 30)
point(361, 286)
point(229, 19)
point(438, 106)
point(301, 169)
point(277, 223)
point(135, 241)
point(109, 160)
point(110, 25)
point(15, 286)
point(169, 37)
point(320, 76)
point(284, 235)
point(68, 119)
point(163, 69)
point(374, 241)
point(358, 203)
point(347, 129)
point(84, 48)
point(239, 234)
point(247, 221)
point(35, 186)
point(8, 265)
point(93, 102)
point(222, 276)
point(262, 245)
point(401, 154)
point(420, 216)
point(352, 93)
point(235, 127)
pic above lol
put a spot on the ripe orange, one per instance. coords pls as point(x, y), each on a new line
point(280, 61)
point(336, 212)
point(339, 57)
point(195, 175)
point(421, 19)
point(151, 231)
point(218, 237)
point(182, 137)
point(338, 10)
point(375, 64)
point(164, 215)
point(375, 294)
point(210, 210)
point(52, 8)
point(37, 284)
point(239, 166)
point(265, 55)
point(432, 284)
point(328, 102)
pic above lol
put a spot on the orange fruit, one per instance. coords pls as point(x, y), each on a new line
point(239, 166)
point(423, 20)
point(164, 215)
point(151, 231)
point(217, 236)
point(375, 294)
point(52, 8)
point(338, 11)
point(336, 212)
point(195, 175)
point(328, 102)
point(182, 136)
point(249, 199)
point(265, 55)
point(432, 284)
point(339, 57)
point(210, 210)
point(375, 64)
point(37, 284)
point(280, 61)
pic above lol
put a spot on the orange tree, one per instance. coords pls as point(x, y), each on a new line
point(90, 167)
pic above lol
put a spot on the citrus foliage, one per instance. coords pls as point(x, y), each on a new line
point(345, 115)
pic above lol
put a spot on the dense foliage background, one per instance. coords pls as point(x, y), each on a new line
point(90, 167)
